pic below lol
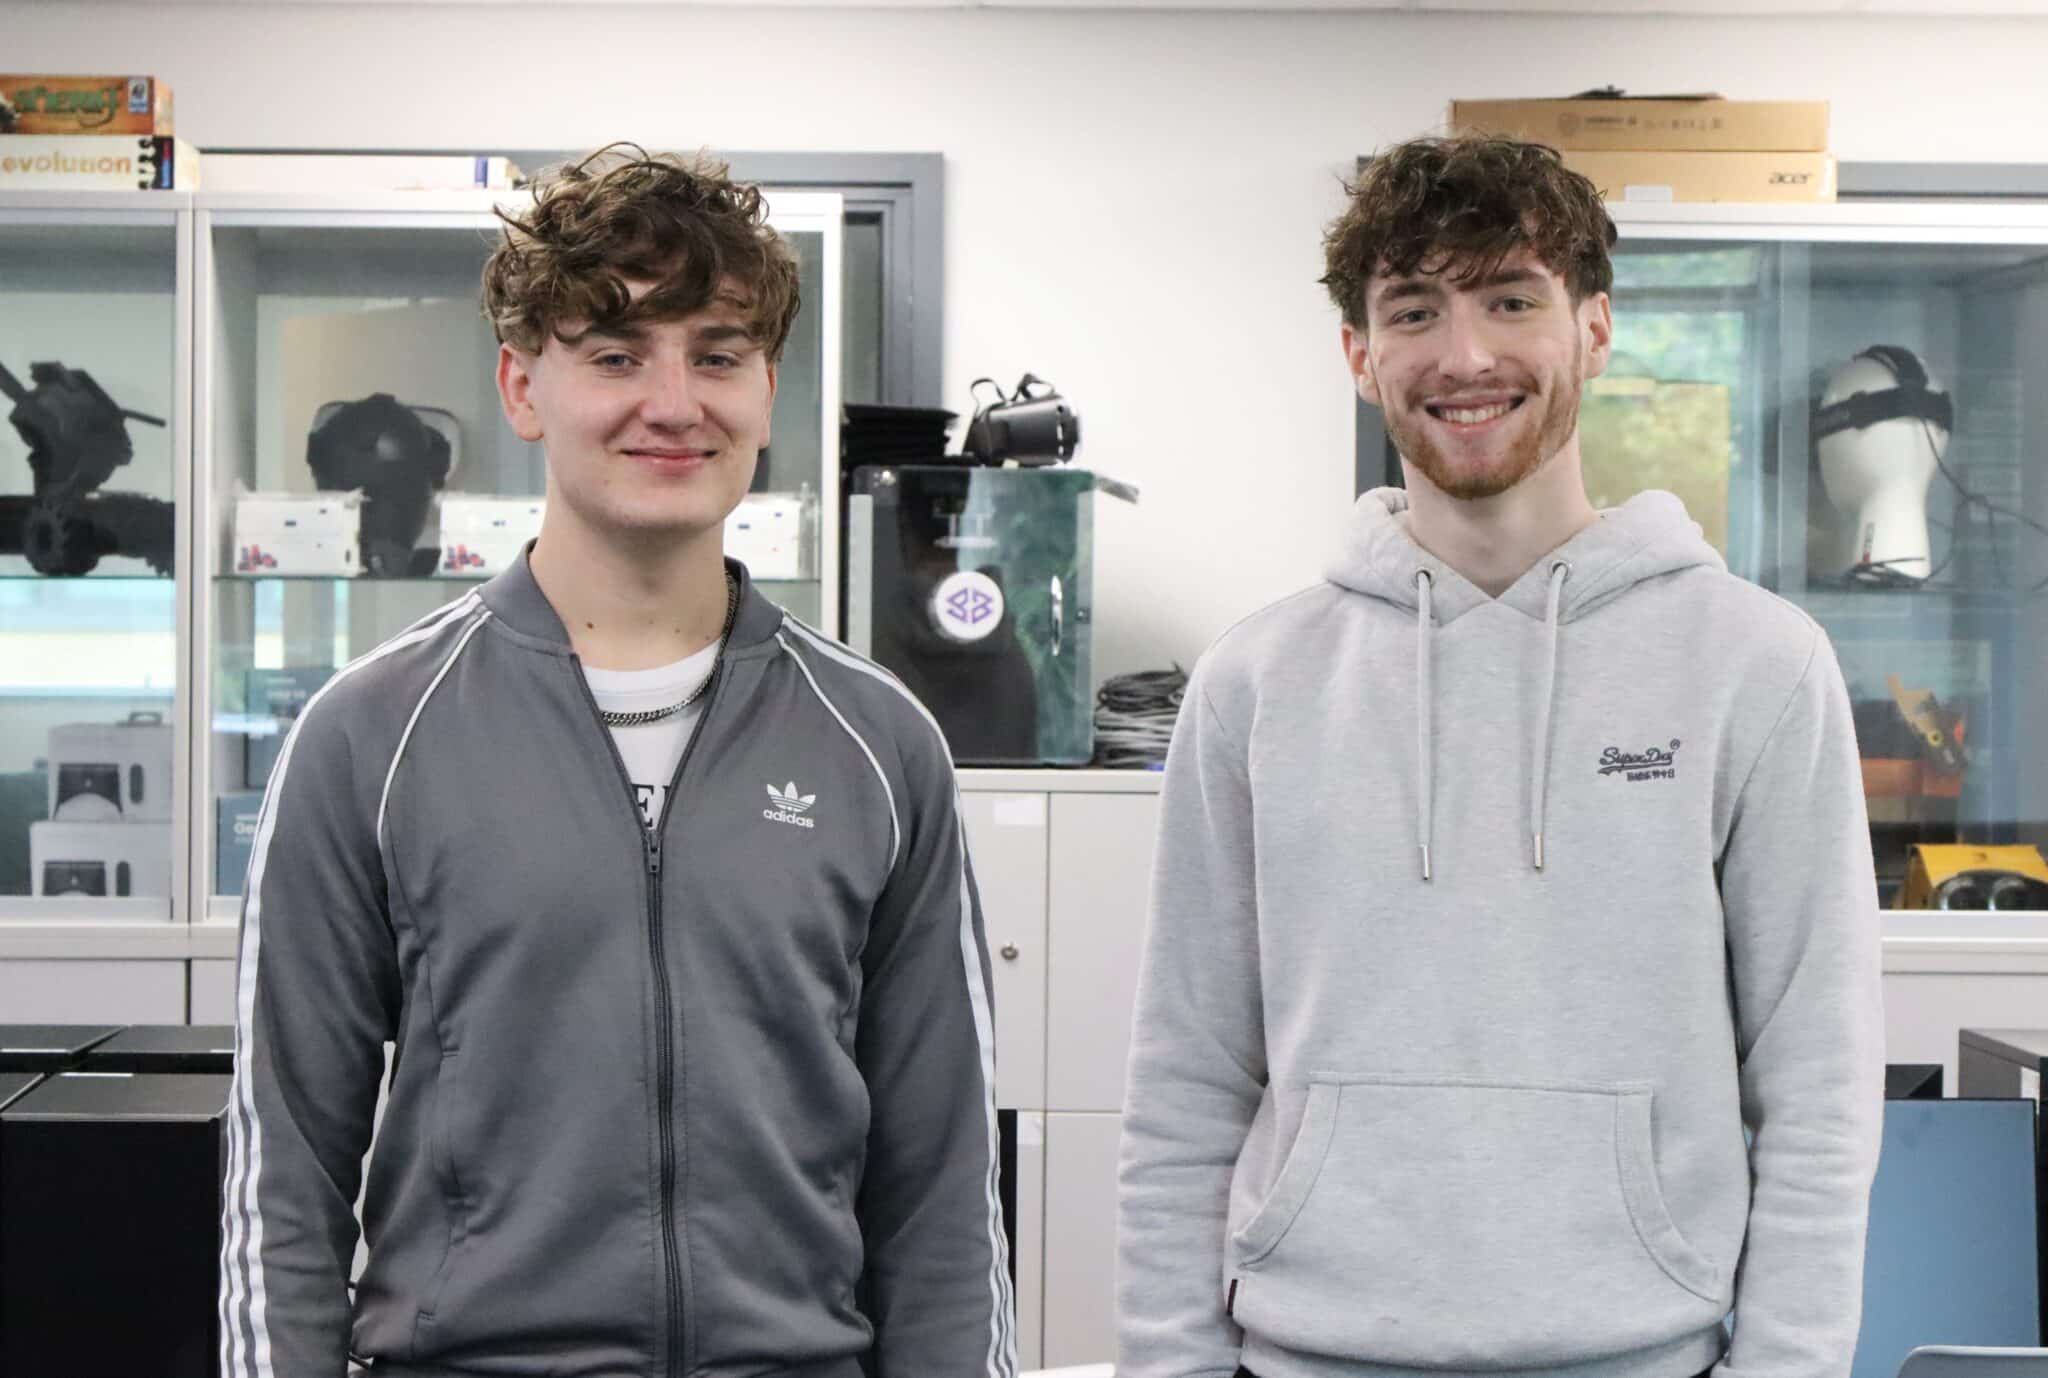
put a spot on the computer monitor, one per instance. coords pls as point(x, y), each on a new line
point(1954, 1251)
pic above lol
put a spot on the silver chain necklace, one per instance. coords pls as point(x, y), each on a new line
point(648, 715)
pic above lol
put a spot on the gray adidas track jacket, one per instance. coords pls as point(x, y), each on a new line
point(714, 1101)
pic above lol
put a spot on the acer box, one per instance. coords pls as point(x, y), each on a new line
point(1700, 123)
point(1707, 176)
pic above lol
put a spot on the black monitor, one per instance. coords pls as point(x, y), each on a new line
point(1954, 1250)
point(1912, 1081)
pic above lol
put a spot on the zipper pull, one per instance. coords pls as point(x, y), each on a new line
point(654, 856)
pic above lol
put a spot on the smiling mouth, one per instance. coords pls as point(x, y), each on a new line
point(1471, 415)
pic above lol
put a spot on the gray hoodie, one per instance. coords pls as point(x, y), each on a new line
point(1481, 929)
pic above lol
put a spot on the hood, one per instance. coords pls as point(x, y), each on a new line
point(1646, 536)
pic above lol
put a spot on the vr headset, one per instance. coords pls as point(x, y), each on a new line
point(1028, 428)
point(396, 455)
point(1910, 398)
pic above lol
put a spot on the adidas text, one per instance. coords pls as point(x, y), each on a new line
point(795, 822)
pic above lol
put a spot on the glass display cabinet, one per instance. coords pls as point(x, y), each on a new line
point(1852, 401)
point(357, 471)
point(95, 467)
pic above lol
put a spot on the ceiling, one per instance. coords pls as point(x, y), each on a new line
point(1946, 9)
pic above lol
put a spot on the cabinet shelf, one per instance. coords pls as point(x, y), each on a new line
point(87, 578)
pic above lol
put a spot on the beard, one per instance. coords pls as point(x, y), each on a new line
point(1525, 455)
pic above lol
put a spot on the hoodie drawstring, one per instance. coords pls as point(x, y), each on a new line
point(1425, 768)
point(1425, 757)
point(1539, 779)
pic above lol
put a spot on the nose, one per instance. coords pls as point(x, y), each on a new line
point(1468, 345)
point(671, 398)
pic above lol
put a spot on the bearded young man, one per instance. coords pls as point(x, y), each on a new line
point(1504, 879)
point(663, 897)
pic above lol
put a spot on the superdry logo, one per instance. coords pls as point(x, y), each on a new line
point(790, 806)
point(1651, 763)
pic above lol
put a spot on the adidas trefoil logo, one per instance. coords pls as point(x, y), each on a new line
point(790, 806)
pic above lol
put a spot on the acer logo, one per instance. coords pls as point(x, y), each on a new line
point(1790, 179)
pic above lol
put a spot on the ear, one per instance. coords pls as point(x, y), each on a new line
point(1596, 322)
point(1358, 358)
point(768, 421)
point(515, 392)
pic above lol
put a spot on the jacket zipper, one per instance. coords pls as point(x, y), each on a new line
point(650, 846)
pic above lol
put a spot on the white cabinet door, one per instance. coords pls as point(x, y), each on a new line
point(213, 991)
point(1080, 1239)
point(65, 991)
point(1926, 1011)
point(1006, 836)
point(1101, 887)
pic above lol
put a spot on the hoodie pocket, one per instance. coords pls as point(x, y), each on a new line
point(1434, 1221)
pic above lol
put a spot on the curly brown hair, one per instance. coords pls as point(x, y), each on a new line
point(1469, 200)
point(620, 214)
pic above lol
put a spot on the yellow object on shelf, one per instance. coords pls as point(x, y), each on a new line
point(1938, 864)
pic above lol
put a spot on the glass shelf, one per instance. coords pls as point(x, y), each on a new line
point(1724, 351)
point(91, 753)
point(366, 580)
point(307, 317)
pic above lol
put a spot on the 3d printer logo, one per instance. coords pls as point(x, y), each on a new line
point(790, 806)
point(1651, 763)
point(966, 606)
point(972, 606)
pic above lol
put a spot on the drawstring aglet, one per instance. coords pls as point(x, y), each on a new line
point(1539, 850)
point(1425, 862)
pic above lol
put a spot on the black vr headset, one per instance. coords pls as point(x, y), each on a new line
point(388, 450)
point(1910, 397)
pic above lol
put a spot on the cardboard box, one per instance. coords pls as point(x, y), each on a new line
point(482, 536)
point(97, 162)
point(1707, 176)
point(84, 105)
point(1697, 123)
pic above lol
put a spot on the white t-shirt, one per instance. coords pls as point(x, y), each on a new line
point(651, 750)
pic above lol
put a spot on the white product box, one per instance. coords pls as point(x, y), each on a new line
point(332, 172)
point(766, 534)
point(111, 772)
point(298, 533)
point(480, 535)
point(102, 860)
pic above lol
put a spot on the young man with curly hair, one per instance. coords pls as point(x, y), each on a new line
point(662, 897)
point(1505, 879)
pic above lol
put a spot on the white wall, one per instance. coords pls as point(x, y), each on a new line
point(1134, 198)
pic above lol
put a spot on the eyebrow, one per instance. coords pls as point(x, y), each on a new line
point(637, 335)
point(1432, 286)
point(712, 334)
